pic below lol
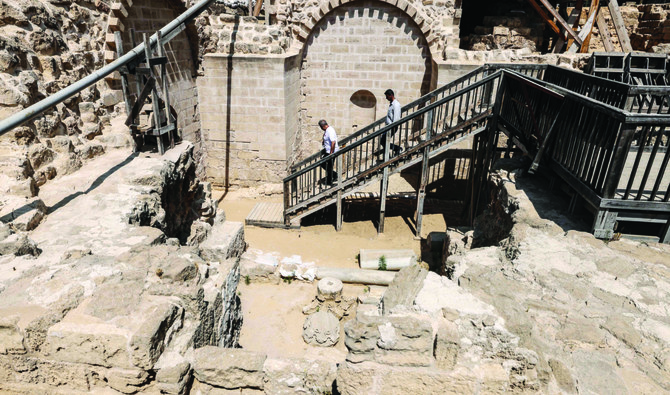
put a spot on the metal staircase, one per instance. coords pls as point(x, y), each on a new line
point(428, 127)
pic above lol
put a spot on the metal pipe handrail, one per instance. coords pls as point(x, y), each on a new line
point(168, 32)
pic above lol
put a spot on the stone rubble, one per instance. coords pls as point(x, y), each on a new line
point(108, 301)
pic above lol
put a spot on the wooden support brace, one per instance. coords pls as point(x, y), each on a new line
point(619, 26)
point(258, 7)
point(134, 112)
point(421, 193)
point(603, 225)
point(166, 93)
point(604, 33)
point(154, 97)
point(124, 76)
point(338, 219)
point(384, 184)
point(550, 22)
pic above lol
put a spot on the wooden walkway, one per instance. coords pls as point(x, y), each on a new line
point(654, 170)
point(269, 215)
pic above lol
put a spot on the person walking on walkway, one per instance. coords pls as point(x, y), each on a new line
point(330, 146)
point(393, 115)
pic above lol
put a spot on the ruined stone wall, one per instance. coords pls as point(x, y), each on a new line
point(652, 33)
point(361, 46)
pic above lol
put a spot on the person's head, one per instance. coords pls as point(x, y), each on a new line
point(389, 95)
point(323, 124)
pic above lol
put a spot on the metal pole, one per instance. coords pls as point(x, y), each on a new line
point(168, 32)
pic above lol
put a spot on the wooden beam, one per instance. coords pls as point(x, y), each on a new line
point(338, 219)
point(258, 8)
point(587, 29)
point(546, 17)
point(421, 193)
point(560, 20)
point(148, 87)
point(573, 20)
point(166, 93)
point(124, 77)
point(384, 183)
point(154, 96)
point(619, 26)
point(604, 33)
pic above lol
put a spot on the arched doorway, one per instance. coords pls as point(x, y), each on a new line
point(360, 46)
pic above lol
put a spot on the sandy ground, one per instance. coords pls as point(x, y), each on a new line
point(273, 317)
point(273, 320)
point(321, 243)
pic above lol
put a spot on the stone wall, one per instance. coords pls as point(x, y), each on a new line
point(245, 119)
point(653, 29)
point(361, 46)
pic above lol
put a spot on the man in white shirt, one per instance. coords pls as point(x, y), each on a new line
point(393, 115)
point(330, 147)
point(394, 107)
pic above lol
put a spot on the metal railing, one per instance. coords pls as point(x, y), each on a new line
point(452, 115)
point(614, 153)
point(136, 55)
point(536, 71)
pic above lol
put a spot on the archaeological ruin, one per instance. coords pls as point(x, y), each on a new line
point(171, 221)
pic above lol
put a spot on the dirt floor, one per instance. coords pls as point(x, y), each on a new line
point(319, 242)
point(273, 317)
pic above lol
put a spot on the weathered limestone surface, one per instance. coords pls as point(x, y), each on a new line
point(546, 308)
point(298, 376)
point(229, 368)
point(109, 302)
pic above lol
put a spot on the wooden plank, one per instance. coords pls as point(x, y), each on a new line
point(573, 20)
point(154, 96)
point(148, 87)
point(258, 8)
point(604, 33)
point(384, 183)
point(619, 26)
point(124, 77)
point(587, 29)
point(421, 193)
point(560, 20)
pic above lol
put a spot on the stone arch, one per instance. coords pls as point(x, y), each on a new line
point(363, 45)
point(307, 25)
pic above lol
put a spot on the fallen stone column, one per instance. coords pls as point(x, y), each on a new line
point(390, 259)
point(357, 276)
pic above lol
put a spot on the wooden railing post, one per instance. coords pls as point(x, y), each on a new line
point(421, 193)
point(618, 160)
point(287, 202)
point(338, 220)
point(385, 182)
